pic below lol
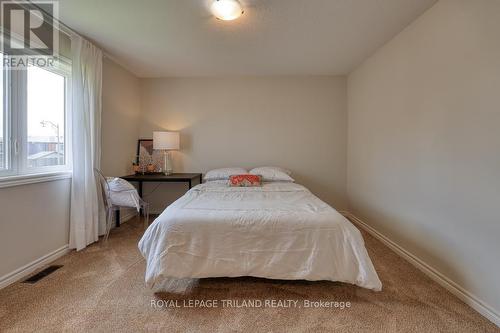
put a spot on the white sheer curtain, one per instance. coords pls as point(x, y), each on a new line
point(86, 142)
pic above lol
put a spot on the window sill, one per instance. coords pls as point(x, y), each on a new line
point(10, 181)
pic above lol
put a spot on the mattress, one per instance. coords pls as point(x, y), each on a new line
point(276, 231)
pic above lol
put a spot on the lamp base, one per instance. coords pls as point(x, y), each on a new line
point(167, 164)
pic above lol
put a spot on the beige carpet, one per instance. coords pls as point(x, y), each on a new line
point(101, 289)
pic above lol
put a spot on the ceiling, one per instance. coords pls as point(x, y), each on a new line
point(159, 38)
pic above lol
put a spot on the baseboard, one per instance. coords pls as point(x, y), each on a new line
point(457, 290)
point(26, 270)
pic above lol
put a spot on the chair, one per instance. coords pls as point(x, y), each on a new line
point(111, 208)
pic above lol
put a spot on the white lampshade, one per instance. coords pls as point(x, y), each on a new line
point(166, 140)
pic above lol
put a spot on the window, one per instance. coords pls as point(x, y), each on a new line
point(34, 120)
point(46, 105)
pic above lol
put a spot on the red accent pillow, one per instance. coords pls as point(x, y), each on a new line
point(245, 180)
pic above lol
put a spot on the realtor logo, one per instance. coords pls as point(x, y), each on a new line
point(30, 28)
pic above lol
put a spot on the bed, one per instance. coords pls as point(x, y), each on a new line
point(279, 230)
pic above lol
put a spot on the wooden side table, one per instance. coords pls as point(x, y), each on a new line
point(189, 178)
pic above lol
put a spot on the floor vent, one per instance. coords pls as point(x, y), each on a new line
point(40, 275)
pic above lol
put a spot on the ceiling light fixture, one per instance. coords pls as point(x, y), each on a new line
point(226, 10)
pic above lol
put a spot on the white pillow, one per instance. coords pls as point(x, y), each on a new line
point(273, 174)
point(223, 173)
point(288, 172)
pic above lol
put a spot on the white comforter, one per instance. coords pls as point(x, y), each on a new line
point(277, 231)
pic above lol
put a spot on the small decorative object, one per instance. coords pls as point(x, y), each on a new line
point(166, 141)
point(150, 168)
point(135, 167)
point(157, 161)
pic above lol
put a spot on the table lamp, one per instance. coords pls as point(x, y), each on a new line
point(166, 141)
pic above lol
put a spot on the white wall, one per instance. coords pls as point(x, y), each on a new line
point(295, 122)
point(121, 112)
point(424, 142)
point(121, 108)
point(34, 221)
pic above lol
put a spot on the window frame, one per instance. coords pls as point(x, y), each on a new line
point(16, 129)
point(9, 120)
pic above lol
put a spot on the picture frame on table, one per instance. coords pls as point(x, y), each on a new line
point(144, 147)
point(147, 161)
